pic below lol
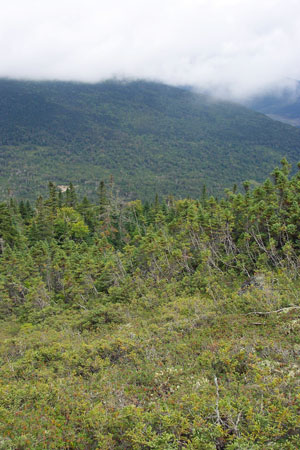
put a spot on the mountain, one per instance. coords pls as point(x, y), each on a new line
point(148, 137)
point(283, 105)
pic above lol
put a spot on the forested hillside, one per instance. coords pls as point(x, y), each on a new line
point(166, 325)
point(149, 137)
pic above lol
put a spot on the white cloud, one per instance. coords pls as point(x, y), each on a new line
point(233, 47)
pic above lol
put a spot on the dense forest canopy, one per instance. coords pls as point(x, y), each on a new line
point(151, 138)
point(166, 325)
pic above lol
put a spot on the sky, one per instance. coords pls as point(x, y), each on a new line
point(232, 48)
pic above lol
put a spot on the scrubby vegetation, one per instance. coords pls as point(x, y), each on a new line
point(167, 325)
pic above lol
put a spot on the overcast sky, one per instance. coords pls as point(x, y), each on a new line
point(233, 47)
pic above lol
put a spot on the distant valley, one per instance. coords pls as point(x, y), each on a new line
point(284, 106)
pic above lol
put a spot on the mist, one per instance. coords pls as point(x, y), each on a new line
point(235, 49)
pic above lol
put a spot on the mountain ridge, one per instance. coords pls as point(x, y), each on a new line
point(149, 137)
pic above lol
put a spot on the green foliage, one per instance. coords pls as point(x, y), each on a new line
point(150, 138)
point(166, 326)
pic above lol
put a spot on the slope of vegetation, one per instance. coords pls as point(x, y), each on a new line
point(149, 137)
point(166, 326)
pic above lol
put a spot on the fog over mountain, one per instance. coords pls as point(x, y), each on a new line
point(233, 48)
point(282, 104)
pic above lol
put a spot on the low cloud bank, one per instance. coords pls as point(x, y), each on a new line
point(233, 48)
